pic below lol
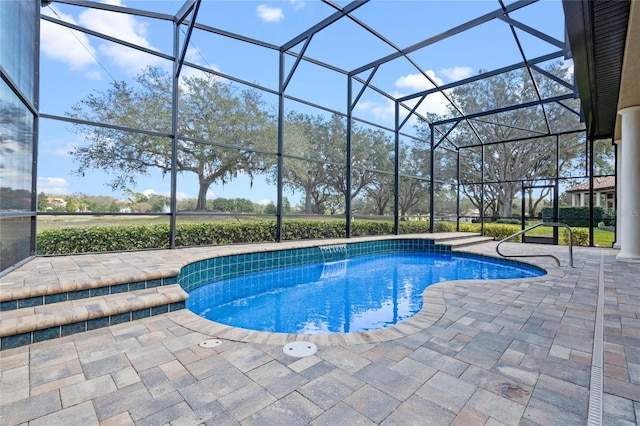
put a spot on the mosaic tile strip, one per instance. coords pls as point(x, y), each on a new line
point(14, 341)
point(83, 294)
point(203, 272)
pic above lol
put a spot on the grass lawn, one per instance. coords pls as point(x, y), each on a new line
point(601, 238)
point(57, 222)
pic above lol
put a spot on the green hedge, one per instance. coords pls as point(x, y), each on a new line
point(139, 237)
point(579, 216)
point(98, 239)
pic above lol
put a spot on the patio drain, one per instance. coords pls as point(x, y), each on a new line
point(300, 349)
point(210, 343)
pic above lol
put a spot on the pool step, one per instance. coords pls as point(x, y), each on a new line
point(466, 241)
point(38, 323)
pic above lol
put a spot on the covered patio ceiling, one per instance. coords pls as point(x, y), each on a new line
point(605, 41)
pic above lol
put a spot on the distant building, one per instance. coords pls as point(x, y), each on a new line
point(56, 203)
point(604, 189)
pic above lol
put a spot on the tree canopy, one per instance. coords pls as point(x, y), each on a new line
point(223, 132)
point(506, 162)
point(214, 116)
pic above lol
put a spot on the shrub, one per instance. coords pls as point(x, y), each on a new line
point(499, 231)
point(578, 216)
point(444, 227)
point(609, 217)
point(509, 221)
point(97, 239)
point(122, 238)
point(361, 228)
point(580, 236)
point(470, 227)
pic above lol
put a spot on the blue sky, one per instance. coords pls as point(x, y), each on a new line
point(74, 64)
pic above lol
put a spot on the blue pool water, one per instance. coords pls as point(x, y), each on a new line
point(356, 294)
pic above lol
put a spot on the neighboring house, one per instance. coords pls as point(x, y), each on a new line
point(55, 203)
point(604, 189)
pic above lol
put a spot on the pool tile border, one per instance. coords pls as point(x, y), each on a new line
point(220, 268)
point(16, 340)
point(65, 296)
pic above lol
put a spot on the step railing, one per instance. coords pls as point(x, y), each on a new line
point(553, 224)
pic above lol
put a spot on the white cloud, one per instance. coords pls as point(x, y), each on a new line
point(457, 73)
point(53, 185)
point(65, 45)
point(265, 202)
point(269, 14)
point(383, 112)
point(418, 82)
point(124, 27)
point(435, 103)
point(297, 4)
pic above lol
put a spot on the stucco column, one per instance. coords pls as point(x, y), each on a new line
point(618, 144)
point(629, 230)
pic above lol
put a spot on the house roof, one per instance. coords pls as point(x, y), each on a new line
point(599, 184)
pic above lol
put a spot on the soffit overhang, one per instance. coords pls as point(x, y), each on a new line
point(598, 36)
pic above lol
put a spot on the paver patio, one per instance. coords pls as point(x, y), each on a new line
point(501, 352)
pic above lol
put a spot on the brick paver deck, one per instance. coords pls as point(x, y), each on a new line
point(496, 352)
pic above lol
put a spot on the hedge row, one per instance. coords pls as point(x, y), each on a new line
point(123, 238)
point(579, 216)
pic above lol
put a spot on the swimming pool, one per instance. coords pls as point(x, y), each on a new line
point(362, 293)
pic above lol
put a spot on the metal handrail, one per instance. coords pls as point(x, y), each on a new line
point(554, 224)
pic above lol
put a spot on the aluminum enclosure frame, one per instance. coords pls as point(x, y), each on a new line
point(188, 15)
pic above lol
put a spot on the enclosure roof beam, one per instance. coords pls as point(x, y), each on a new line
point(506, 109)
point(4, 76)
point(524, 58)
point(446, 34)
point(323, 24)
point(553, 77)
point(569, 108)
point(105, 125)
point(364, 87)
point(527, 138)
point(442, 139)
point(184, 10)
point(484, 75)
point(194, 6)
point(106, 37)
point(120, 9)
point(413, 110)
point(296, 63)
point(533, 31)
point(508, 126)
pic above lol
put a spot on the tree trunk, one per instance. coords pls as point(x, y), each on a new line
point(203, 187)
point(508, 192)
point(307, 200)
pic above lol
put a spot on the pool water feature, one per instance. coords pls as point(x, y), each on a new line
point(333, 252)
point(355, 294)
